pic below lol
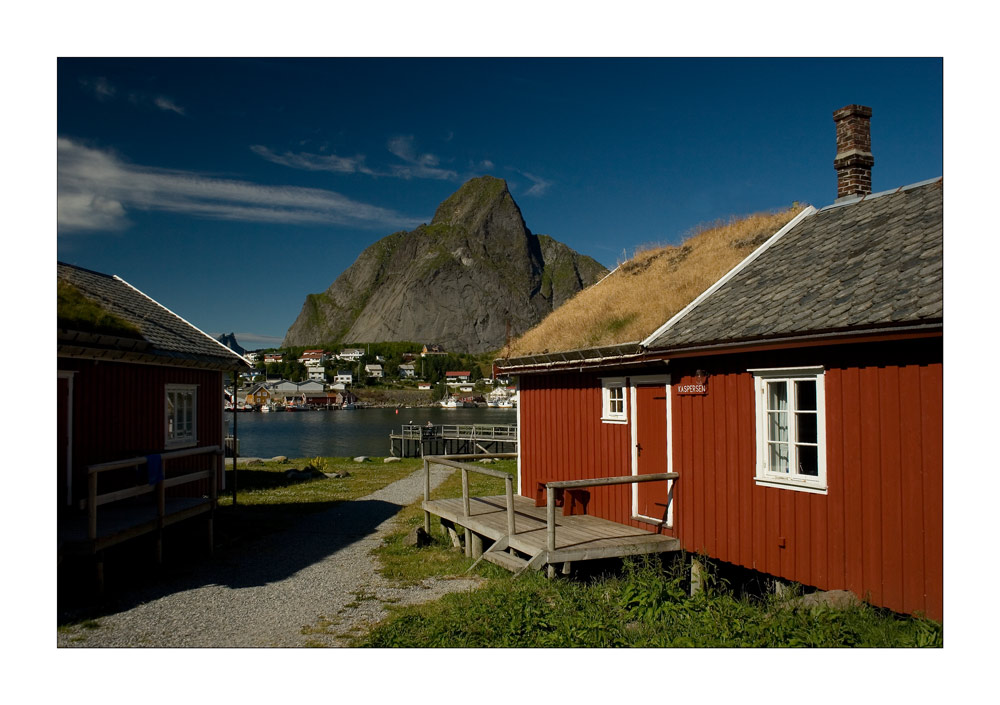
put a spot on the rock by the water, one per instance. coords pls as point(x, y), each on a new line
point(361, 459)
point(391, 460)
point(279, 459)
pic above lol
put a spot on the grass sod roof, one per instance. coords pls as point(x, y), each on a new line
point(76, 311)
point(645, 291)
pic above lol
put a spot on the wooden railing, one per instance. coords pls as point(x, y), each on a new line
point(504, 432)
point(452, 461)
point(95, 500)
point(551, 487)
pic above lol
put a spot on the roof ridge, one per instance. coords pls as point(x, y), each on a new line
point(869, 196)
point(803, 214)
point(150, 298)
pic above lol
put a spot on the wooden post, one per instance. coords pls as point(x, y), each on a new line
point(92, 505)
point(465, 491)
point(161, 511)
point(550, 527)
point(697, 581)
point(427, 494)
point(510, 505)
point(468, 543)
point(477, 545)
point(236, 379)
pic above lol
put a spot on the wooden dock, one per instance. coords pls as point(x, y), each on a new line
point(414, 441)
point(524, 535)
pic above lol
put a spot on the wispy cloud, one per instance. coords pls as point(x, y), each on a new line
point(100, 87)
point(97, 190)
point(314, 162)
point(416, 166)
point(164, 103)
point(103, 89)
point(539, 185)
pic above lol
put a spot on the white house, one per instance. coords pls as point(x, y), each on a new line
point(352, 354)
point(374, 371)
point(313, 358)
point(343, 377)
point(317, 373)
point(407, 371)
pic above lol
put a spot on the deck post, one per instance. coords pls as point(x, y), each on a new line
point(92, 505)
point(427, 494)
point(550, 519)
point(465, 491)
point(477, 545)
point(509, 482)
point(161, 511)
point(697, 579)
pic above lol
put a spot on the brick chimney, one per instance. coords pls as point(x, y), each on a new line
point(854, 158)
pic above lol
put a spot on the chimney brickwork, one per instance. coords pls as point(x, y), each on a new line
point(854, 158)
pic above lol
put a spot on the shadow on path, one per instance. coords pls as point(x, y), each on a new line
point(132, 577)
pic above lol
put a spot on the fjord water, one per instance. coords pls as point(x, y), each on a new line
point(340, 433)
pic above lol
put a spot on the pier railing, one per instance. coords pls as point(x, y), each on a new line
point(477, 432)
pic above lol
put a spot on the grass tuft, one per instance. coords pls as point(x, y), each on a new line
point(649, 288)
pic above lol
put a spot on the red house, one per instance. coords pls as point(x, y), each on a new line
point(140, 426)
point(799, 399)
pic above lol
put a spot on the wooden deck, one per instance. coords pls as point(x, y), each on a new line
point(121, 523)
point(578, 538)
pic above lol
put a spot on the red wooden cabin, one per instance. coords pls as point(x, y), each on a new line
point(799, 399)
point(140, 426)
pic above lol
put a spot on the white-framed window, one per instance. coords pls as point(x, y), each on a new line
point(791, 428)
point(181, 415)
point(614, 408)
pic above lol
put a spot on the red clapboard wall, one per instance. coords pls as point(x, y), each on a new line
point(119, 412)
point(878, 530)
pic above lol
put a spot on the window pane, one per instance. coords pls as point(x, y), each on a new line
point(778, 454)
point(808, 460)
point(805, 428)
point(777, 426)
point(805, 395)
point(777, 396)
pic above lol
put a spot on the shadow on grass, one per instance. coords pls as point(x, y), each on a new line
point(255, 545)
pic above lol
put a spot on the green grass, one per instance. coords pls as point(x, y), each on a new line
point(267, 501)
point(642, 607)
point(408, 565)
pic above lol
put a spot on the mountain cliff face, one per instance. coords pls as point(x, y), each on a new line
point(457, 281)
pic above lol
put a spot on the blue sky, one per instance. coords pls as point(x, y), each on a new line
point(229, 189)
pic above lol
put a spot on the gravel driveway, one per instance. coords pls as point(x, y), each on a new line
point(311, 585)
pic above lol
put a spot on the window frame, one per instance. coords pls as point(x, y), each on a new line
point(763, 475)
point(187, 440)
point(607, 414)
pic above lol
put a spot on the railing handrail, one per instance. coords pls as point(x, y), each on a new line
point(94, 500)
point(141, 459)
point(452, 461)
point(550, 496)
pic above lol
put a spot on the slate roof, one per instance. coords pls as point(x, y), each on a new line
point(865, 264)
point(166, 337)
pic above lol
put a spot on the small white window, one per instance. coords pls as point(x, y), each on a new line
point(791, 428)
point(181, 415)
point(613, 407)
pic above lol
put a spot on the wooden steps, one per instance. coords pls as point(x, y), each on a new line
point(578, 537)
point(506, 560)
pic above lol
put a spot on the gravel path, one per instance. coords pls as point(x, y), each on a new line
point(315, 584)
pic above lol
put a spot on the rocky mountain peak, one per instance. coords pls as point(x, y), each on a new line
point(458, 281)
